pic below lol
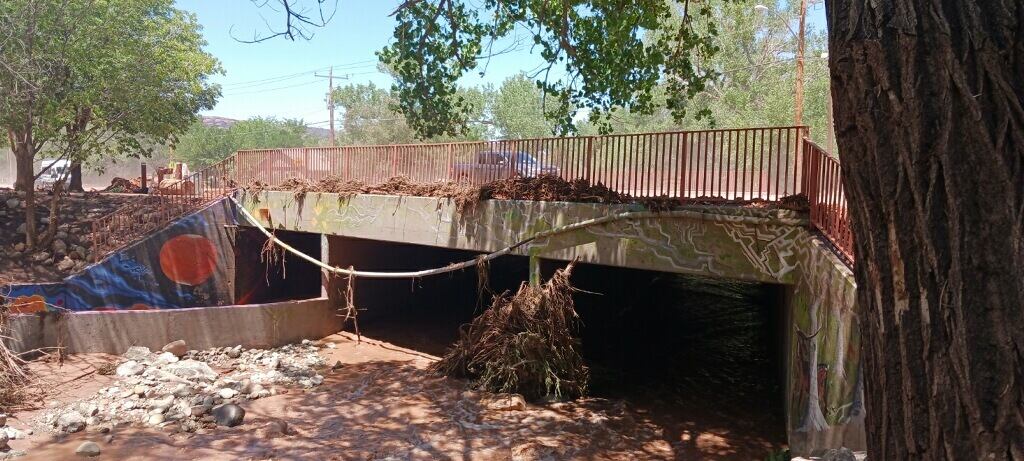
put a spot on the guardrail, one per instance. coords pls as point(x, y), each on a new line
point(829, 210)
point(735, 164)
point(165, 203)
point(749, 163)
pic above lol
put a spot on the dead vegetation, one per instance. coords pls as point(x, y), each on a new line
point(13, 377)
point(540, 188)
point(523, 344)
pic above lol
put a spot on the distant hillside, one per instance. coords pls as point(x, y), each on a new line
point(224, 123)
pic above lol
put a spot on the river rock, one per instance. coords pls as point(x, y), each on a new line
point(3, 419)
point(3, 441)
point(13, 203)
point(88, 450)
point(130, 368)
point(137, 353)
point(229, 415)
point(59, 247)
point(227, 393)
point(164, 358)
point(178, 348)
point(192, 370)
point(71, 422)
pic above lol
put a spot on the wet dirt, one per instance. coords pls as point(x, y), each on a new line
point(380, 403)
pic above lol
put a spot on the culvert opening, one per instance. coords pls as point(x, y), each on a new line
point(702, 358)
point(264, 277)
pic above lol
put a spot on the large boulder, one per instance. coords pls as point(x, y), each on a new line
point(137, 353)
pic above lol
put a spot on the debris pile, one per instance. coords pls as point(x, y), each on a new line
point(175, 387)
point(465, 195)
point(125, 186)
point(523, 344)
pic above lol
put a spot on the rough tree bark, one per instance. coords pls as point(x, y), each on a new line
point(75, 179)
point(25, 179)
point(929, 113)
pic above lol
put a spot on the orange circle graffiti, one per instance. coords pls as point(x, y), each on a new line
point(188, 259)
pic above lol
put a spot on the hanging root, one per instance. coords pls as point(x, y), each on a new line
point(14, 378)
point(523, 344)
point(483, 281)
point(349, 311)
point(272, 255)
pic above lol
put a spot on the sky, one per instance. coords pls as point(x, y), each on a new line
point(277, 77)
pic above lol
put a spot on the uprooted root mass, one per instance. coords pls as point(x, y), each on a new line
point(523, 344)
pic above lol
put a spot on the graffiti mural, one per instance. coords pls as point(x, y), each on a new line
point(190, 263)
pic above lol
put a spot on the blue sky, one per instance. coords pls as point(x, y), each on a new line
point(275, 77)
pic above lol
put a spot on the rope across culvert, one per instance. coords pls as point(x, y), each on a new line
point(677, 214)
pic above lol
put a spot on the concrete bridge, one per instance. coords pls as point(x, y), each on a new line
point(808, 255)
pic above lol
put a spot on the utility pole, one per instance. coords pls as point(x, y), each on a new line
point(799, 90)
point(330, 99)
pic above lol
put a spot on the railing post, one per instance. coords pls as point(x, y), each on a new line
point(590, 161)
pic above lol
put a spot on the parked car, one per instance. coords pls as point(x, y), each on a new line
point(55, 169)
point(492, 165)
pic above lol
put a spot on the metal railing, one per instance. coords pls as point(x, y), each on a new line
point(752, 163)
point(736, 164)
point(165, 203)
point(827, 198)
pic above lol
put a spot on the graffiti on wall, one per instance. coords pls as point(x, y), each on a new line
point(190, 263)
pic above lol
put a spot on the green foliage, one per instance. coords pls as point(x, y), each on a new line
point(598, 55)
point(371, 116)
point(622, 66)
point(204, 145)
point(755, 76)
point(518, 110)
point(101, 78)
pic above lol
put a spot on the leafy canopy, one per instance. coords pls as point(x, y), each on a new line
point(204, 145)
point(101, 78)
point(601, 55)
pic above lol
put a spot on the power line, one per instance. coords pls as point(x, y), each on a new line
point(274, 79)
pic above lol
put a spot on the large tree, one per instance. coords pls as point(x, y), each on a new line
point(204, 145)
point(85, 79)
point(929, 108)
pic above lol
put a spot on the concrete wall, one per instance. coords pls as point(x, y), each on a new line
point(256, 325)
point(824, 385)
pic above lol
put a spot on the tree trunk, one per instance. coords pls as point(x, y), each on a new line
point(25, 181)
point(930, 126)
point(75, 180)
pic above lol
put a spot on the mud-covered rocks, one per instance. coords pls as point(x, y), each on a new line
point(161, 390)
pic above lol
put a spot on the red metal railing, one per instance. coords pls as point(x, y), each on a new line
point(829, 210)
point(753, 163)
point(744, 164)
point(166, 202)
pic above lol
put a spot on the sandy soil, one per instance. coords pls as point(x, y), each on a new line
point(382, 405)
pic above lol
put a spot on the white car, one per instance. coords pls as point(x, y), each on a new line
point(55, 169)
